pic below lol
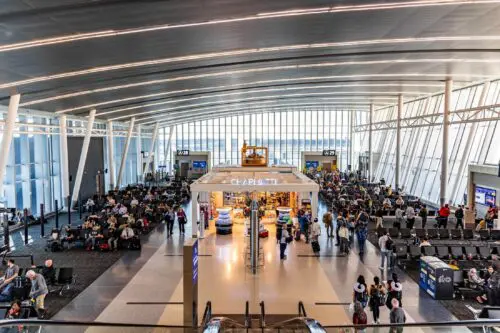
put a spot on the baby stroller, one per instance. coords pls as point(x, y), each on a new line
point(54, 241)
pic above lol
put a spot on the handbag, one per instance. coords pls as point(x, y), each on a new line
point(289, 239)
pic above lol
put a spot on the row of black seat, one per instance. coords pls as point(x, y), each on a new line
point(457, 234)
point(468, 252)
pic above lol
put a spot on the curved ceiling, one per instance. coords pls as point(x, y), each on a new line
point(173, 61)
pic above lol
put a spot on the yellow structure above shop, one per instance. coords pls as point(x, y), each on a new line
point(252, 156)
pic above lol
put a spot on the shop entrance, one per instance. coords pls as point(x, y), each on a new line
point(184, 169)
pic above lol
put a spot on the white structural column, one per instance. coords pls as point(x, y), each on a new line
point(111, 154)
point(167, 147)
point(63, 143)
point(444, 156)
point(370, 163)
point(351, 138)
point(83, 157)
point(125, 152)
point(138, 146)
point(314, 205)
point(397, 170)
point(151, 149)
point(468, 144)
point(7, 137)
point(194, 214)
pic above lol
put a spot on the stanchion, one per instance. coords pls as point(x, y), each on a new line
point(57, 215)
point(254, 236)
point(42, 222)
point(69, 209)
point(25, 226)
point(6, 234)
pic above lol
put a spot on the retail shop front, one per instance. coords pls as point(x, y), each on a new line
point(225, 194)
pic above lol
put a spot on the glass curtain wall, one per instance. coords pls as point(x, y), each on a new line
point(285, 133)
point(421, 151)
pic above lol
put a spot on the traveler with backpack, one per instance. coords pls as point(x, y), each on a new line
point(360, 291)
point(377, 295)
point(423, 214)
point(459, 215)
point(385, 243)
point(361, 234)
point(328, 222)
point(394, 291)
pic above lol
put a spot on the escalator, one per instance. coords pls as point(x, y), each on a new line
point(237, 323)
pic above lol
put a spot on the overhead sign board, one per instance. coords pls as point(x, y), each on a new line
point(329, 152)
point(182, 152)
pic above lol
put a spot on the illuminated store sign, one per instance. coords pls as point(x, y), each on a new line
point(254, 181)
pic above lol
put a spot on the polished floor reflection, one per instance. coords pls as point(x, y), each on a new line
point(323, 283)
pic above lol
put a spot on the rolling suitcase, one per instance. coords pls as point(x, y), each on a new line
point(297, 235)
point(315, 246)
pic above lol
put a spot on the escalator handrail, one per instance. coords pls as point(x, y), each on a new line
point(302, 310)
point(207, 315)
point(224, 321)
point(307, 322)
point(262, 314)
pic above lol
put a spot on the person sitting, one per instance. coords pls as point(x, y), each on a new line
point(134, 202)
point(38, 291)
point(387, 203)
point(127, 233)
point(475, 282)
point(94, 237)
point(400, 202)
point(11, 273)
point(48, 271)
point(425, 242)
point(14, 311)
point(114, 236)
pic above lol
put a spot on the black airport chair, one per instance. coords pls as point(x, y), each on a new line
point(443, 252)
point(484, 252)
point(484, 235)
point(471, 252)
point(444, 233)
point(456, 234)
point(457, 252)
point(432, 233)
point(415, 252)
point(394, 232)
point(428, 250)
point(405, 233)
point(468, 234)
point(421, 233)
point(495, 235)
point(431, 213)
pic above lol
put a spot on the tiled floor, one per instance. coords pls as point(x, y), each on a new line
point(155, 275)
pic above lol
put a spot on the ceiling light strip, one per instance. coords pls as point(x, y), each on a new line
point(260, 16)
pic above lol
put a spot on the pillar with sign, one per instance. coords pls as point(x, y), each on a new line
point(190, 282)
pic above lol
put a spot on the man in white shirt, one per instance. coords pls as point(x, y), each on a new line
point(315, 230)
point(410, 217)
point(127, 233)
point(134, 202)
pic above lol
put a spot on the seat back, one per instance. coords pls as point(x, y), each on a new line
point(431, 213)
point(421, 233)
point(432, 233)
point(405, 233)
point(443, 252)
point(444, 234)
point(65, 275)
point(468, 234)
point(394, 232)
point(401, 250)
point(471, 252)
point(457, 252)
point(428, 250)
point(495, 234)
point(484, 252)
point(415, 251)
point(456, 234)
point(484, 234)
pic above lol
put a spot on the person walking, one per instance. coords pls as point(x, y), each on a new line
point(396, 316)
point(38, 291)
point(284, 240)
point(423, 215)
point(360, 291)
point(328, 222)
point(444, 213)
point(385, 245)
point(170, 219)
point(459, 215)
point(181, 219)
point(315, 233)
point(359, 317)
point(410, 217)
point(394, 291)
point(361, 234)
point(377, 295)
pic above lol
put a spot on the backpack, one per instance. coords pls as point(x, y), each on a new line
point(389, 244)
point(361, 297)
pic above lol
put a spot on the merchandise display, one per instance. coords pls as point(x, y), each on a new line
point(224, 223)
point(269, 216)
point(238, 216)
point(283, 215)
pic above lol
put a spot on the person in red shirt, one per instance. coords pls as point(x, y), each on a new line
point(359, 317)
point(444, 212)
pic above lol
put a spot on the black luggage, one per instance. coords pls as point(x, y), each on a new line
point(134, 243)
point(297, 235)
point(315, 246)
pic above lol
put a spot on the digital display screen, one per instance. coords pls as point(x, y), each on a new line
point(312, 164)
point(182, 152)
point(199, 164)
point(485, 196)
point(329, 153)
